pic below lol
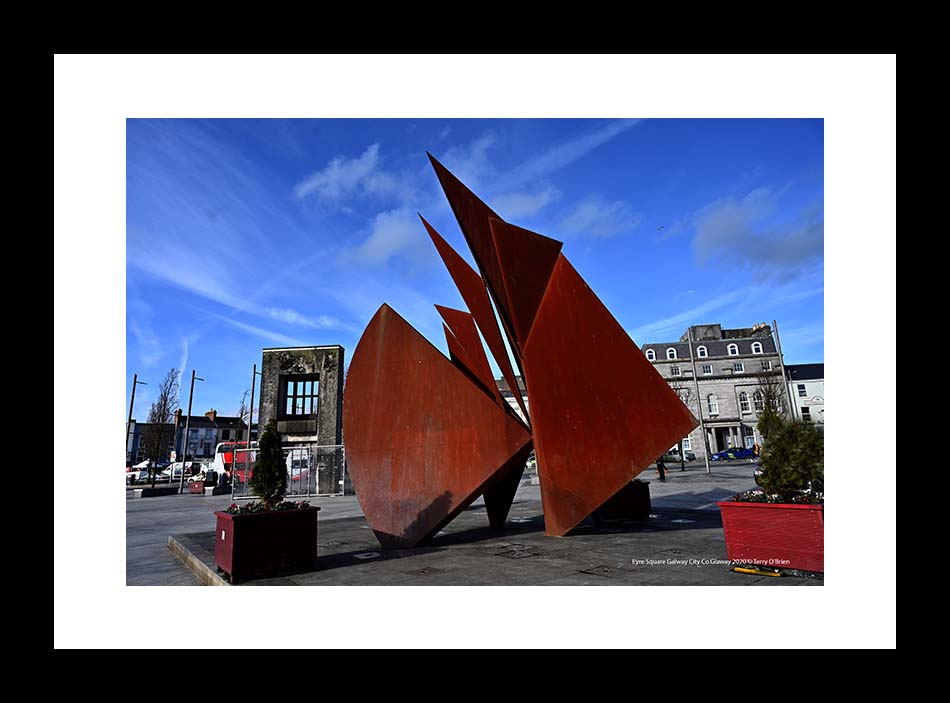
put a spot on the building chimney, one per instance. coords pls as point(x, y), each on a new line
point(211, 414)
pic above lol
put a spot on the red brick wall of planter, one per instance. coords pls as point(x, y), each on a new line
point(781, 535)
point(259, 544)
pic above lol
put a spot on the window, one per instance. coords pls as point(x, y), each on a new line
point(757, 402)
point(732, 350)
point(701, 352)
point(756, 347)
point(738, 367)
point(240, 434)
point(675, 370)
point(225, 435)
point(766, 365)
point(802, 393)
point(707, 369)
point(651, 355)
point(713, 403)
point(806, 414)
point(300, 395)
point(687, 443)
point(671, 353)
point(744, 403)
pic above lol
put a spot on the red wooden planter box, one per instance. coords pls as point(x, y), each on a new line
point(779, 535)
point(196, 487)
point(632, 502)
point(258, 544)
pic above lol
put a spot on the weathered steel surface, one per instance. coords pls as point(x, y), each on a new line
point(601, 413)
point(473, 217)
point(526, 260)
point(472, 288)
point(464, 343)
point(422, 440)
point(470, 355)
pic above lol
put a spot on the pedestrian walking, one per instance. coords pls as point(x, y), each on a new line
point(661, 469)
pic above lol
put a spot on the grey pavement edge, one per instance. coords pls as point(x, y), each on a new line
point(170, 541)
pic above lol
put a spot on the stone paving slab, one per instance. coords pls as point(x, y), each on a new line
point(467, 552)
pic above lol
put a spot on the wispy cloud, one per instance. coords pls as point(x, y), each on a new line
point(344, 178)
point(266, 334)
point(470, 161)
point(745, 231)
point(521, 192)
point(182, 364)
point(596, 217)
point(512, 206)
point(803, 335)
point(684, 294)
point(139, 315)
point(565, 153)
point(292, 317)
point(774, 295)
point(657, 330)
point(393, 231)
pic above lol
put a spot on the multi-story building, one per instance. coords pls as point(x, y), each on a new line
point(135, 448)
point(726, 368)
point(806, 388)
point(730, 365)
point(205, 432)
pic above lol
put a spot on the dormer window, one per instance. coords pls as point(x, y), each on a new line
point(732, 350)
point(651, 355)
point(701, 352)
point(671, 353)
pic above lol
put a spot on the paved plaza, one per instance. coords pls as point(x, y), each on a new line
point(680, 544)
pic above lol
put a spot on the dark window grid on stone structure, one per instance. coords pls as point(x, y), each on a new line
point(300, 395)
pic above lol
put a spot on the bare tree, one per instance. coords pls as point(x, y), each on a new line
point(244, 415)
point(770, 400)
point(685, 393)
point(157, 434)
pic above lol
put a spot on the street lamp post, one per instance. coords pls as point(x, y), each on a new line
point(184, 459)
point(699, 401)
point(128, 425)
point(250, 421)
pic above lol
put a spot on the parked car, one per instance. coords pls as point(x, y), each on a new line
point(673, 456)
point(733, 453)
point(136, 476)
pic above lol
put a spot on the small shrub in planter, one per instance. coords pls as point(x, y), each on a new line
point(781, 525)
point(269, 535)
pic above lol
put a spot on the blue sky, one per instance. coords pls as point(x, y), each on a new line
point(244, 234)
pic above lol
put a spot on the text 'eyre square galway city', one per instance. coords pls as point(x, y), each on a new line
point(475, 352)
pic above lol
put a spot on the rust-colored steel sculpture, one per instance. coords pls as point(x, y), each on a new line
point(601, 411)
point(466, 348)
point(422, 441)
point(472, 288)
point(426, 435)
point(526, 260)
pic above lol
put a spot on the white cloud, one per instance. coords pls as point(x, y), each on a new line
point(470, 162)
point(565, 153)
point(511, 206)
point(676, 324)
point(343, 179)
point(269, 335)
point(596, 217)
point(393, 231)
point(776, 296)
point(743, 231)
point(292, 317)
